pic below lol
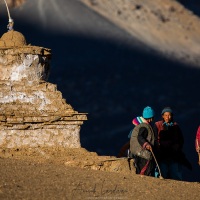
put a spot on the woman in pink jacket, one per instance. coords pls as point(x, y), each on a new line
point(197, 143)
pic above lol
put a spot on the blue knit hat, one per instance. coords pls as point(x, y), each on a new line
point(148, 112)
point(166, 109)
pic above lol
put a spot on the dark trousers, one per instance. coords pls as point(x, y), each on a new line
point(144, 167)
point(171, 169)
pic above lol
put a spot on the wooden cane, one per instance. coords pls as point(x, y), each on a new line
point(157, 164)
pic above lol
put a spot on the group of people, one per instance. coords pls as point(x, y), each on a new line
point(157, 148)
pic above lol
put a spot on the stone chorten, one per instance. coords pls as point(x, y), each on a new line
point(32, 110)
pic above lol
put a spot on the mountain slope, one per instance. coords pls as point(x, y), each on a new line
point(165, 26)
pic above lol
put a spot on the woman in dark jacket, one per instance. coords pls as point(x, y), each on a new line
point(142, 142)
point(169, 143)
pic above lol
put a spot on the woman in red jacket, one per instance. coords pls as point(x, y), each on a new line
point(197, 143)
point(169, 143)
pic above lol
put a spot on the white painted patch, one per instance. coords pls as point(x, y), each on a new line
point(24, 98)
point(20, 71)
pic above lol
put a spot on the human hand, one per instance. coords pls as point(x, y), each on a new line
point(148, 147)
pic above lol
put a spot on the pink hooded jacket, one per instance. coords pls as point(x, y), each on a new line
point(197, 141)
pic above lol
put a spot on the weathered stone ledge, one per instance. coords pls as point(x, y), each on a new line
point(5, 50)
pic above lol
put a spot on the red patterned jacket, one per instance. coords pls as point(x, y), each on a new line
point(197, 141)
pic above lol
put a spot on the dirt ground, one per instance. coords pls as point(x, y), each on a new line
point(75, 174)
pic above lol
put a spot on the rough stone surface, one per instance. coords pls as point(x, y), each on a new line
point(74, 173)
point(12, 39)
point(21, 62)
point(32, 110)
point(71, 157)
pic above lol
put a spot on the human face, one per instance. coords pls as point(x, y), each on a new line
point(150, 120)
point(167, 117)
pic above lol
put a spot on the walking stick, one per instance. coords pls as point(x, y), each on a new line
point(157, 164)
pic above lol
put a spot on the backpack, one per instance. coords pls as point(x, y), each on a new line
point(135, 148)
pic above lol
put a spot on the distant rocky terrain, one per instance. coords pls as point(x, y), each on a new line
point(165, 26)
point(13, 3)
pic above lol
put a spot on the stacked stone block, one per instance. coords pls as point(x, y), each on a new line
point(33, 112)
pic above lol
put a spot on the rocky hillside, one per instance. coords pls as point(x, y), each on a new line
point(13, 3)
point(164, 25)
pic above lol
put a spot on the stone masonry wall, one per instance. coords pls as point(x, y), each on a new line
point(37, 115)
point(33, 112)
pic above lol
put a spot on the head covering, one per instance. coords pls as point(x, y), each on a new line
point(138, 120)
point(166, 109)
point(148, 112)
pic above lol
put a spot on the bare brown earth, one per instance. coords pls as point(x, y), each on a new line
point(78, 174)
